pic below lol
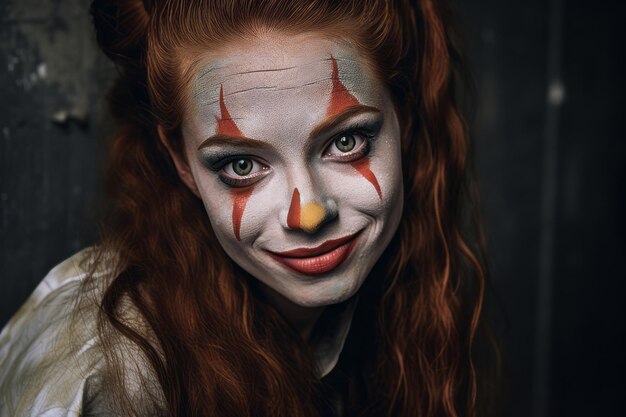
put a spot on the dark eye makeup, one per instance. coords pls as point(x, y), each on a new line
point(353, 143)
point(241, 170)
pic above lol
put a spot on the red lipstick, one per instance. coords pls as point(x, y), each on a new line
point(320, 259)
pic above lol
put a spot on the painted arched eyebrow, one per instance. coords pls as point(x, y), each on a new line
point(336, 119)
point(234, 141)
point(325, 126)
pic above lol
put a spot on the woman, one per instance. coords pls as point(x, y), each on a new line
point(290, 232)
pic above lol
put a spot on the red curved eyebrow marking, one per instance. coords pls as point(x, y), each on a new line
point(293, 216)
point(225, 124)
point(340, 99)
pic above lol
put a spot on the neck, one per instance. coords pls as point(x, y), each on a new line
point(302, 318)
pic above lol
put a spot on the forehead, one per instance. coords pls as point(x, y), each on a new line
point(275, 77)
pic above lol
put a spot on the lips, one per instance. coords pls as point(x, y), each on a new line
point(320, 259)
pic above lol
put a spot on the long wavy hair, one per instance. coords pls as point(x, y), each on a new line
point(217, 348)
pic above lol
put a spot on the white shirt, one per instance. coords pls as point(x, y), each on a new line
point(53, 366)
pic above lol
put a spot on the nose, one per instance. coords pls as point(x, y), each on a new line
point(309, 216)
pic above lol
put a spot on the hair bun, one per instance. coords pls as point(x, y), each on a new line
point(121, 28)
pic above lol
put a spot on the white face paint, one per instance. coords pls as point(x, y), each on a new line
point(296, 112)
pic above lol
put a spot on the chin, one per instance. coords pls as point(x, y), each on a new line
point(322, 292)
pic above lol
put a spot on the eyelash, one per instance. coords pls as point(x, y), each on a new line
point(241, 181)
point(367, 134)
point(359, 152)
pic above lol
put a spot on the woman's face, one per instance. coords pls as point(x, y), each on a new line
point(294, 147)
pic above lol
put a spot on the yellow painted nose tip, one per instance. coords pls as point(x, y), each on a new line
point(311, 217)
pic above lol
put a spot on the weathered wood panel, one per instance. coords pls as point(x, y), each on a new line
point(49, 173)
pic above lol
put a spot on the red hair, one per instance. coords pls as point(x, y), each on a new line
point(220, 349)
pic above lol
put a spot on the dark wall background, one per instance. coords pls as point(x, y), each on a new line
point(551, 163)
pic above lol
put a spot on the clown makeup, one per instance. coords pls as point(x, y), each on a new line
point(294, 148)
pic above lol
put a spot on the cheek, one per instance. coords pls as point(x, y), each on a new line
point(363, 166)
point(231, 213)
point(223, 206)
point(372, 185)
point(240, 214)
point(260, 210)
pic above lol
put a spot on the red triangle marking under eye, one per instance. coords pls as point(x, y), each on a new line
point(363, 166)
point(225, 124)
point(240, 197)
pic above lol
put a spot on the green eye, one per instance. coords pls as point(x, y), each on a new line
point(345, 143)
point(242, 167)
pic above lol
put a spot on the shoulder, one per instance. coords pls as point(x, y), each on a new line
point(51, 357)
point(48, 308)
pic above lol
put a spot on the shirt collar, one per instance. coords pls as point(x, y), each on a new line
point(330, 334)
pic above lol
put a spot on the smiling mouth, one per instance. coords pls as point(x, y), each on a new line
point(318, 260)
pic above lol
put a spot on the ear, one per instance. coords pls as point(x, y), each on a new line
point(182, 167)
